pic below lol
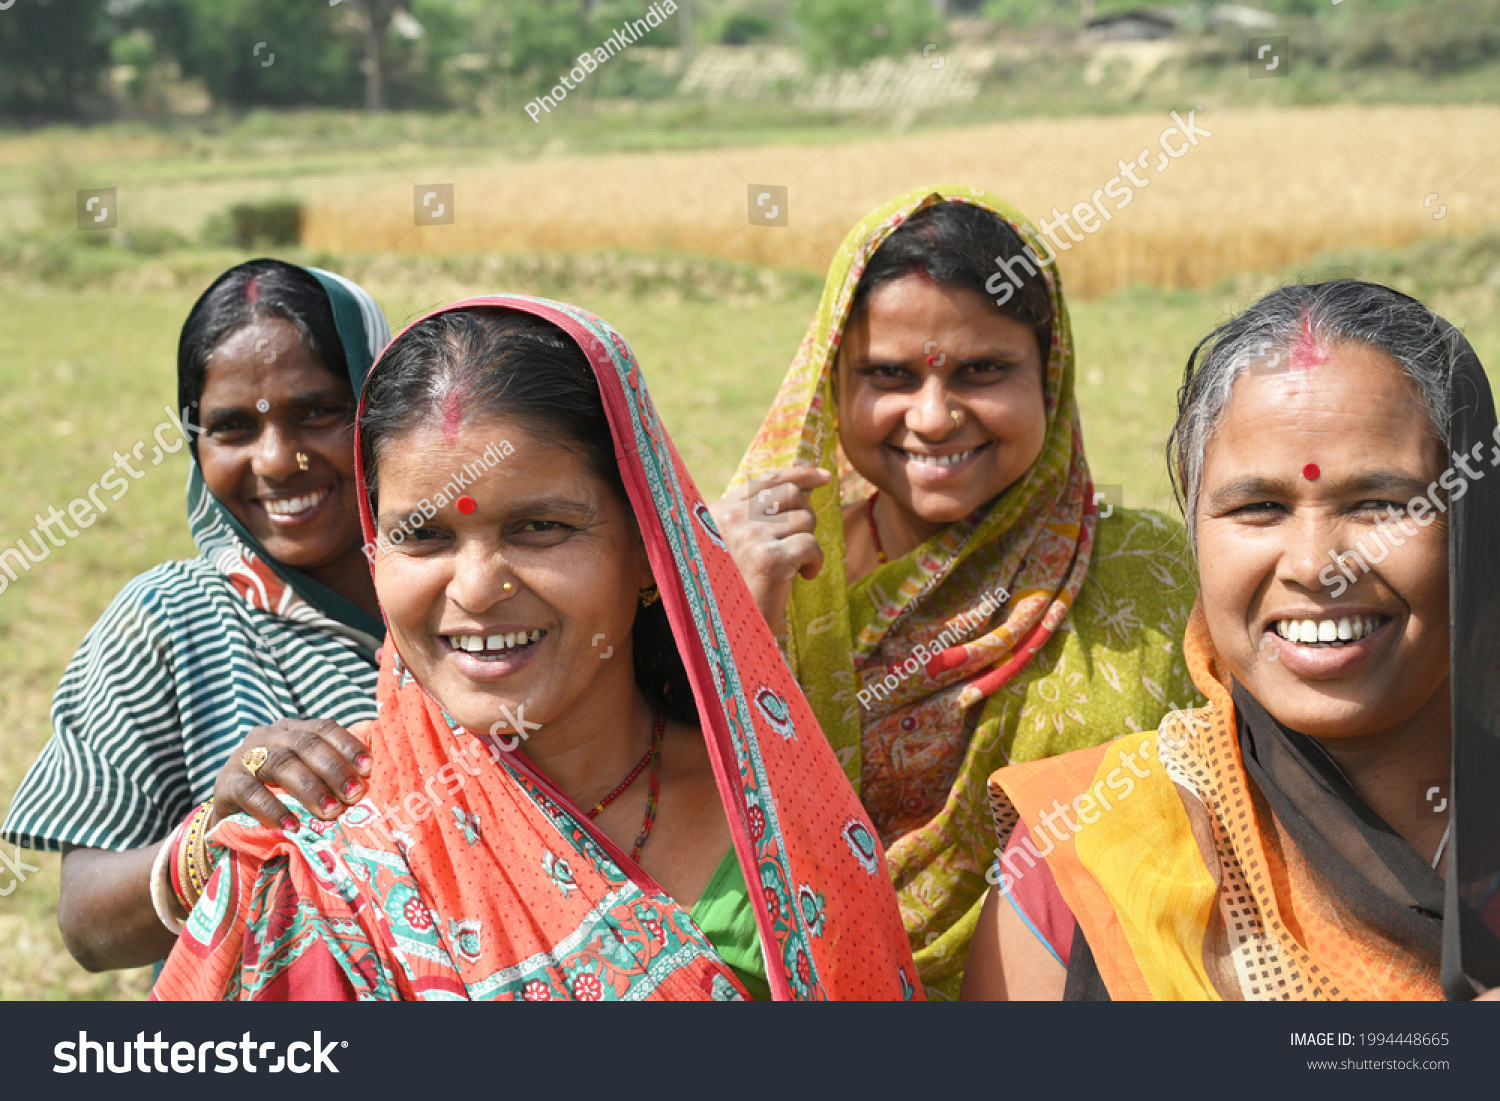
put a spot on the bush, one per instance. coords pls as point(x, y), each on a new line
point(276, 222)
point(743, 26)
point(154, 240)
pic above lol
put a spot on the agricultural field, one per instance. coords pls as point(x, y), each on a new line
point(659, 243)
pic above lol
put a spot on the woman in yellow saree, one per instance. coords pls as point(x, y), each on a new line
point(956, 600)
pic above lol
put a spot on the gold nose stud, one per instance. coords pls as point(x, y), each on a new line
point(958, 417)
point(302, 461)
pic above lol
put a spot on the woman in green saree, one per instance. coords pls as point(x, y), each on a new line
point(917, 523)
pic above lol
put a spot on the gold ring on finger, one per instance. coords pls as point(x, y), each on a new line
point(254, 760)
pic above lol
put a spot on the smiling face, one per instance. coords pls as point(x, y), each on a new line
point(1266, 530)
point(265, 398)
point(544, 523)
point(915, 354)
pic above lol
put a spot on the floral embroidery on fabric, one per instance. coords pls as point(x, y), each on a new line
point(560, 872)
point(466, 937)
point(468, 824)
point(706, 518)
point(774, 708)
point(862, 844)
point(811, 904)
point(724, 991)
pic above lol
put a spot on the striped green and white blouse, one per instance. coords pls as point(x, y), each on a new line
point(170, 679)
point(191, 655)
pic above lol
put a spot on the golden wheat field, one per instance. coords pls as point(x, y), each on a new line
point(1265, 189)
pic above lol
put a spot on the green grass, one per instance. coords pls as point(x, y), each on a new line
point(87, 363)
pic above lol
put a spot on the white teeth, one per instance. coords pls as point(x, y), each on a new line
point(939, 460)
point(474, 644)
point(290, 506)
point(1345, 629)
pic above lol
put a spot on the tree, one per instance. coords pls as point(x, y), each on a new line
point(53, 58)
point(371, 21)
point(273, 53)
point(843, 34)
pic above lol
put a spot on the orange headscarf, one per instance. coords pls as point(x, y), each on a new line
point(502, 887)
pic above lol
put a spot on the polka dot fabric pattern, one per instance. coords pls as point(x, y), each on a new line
point(526, 898)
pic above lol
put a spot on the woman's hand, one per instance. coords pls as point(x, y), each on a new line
point(316, 761)
point(768, 526)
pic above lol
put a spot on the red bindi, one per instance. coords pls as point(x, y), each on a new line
point(466, 503)
point(1310, 472)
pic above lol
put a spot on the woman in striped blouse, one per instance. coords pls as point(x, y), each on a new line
point(197, 662)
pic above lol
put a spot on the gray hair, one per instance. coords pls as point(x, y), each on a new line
point(1342, 311)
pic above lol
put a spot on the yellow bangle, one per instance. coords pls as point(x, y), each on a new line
point(189, 865)
point(202, 865)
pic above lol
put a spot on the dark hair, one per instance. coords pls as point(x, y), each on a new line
point(505, 363)
point(963, 245)
point(1263, 336)
point(249, 292)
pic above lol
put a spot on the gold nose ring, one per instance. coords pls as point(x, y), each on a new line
point(302, 461)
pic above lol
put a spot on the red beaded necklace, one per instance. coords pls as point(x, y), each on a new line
point(874, 531)
point(653, 758)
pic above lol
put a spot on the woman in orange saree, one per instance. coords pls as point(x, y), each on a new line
point(555, 614)
point(1297, 838)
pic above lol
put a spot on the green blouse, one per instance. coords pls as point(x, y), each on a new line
point(725, 915)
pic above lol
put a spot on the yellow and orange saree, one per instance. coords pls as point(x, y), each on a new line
point(1214, 859)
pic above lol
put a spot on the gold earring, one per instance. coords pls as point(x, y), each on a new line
point(650, 596)
point(302, 461)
